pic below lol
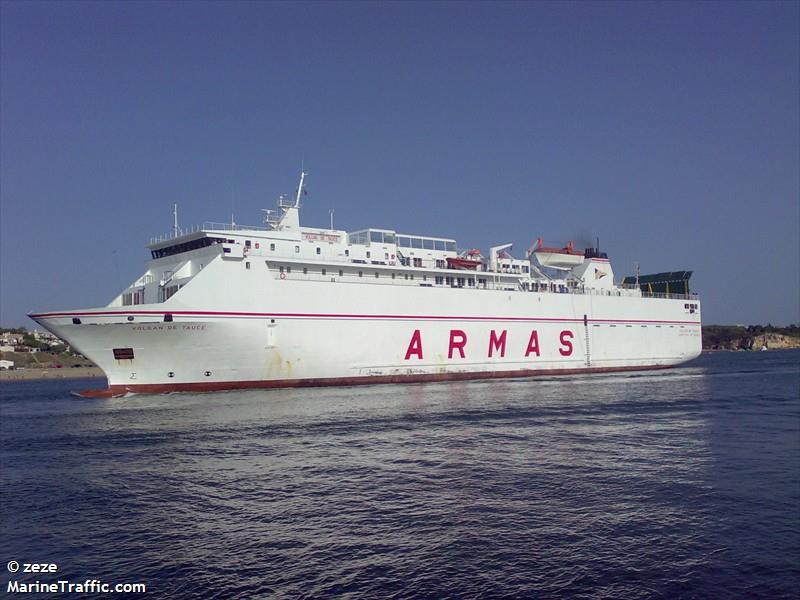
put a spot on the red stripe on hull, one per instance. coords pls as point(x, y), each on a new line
point(337, 316)
point(219, 386)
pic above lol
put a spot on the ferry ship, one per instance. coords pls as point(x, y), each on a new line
point(225, 306)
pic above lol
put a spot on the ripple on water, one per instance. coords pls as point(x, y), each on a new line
point(678, 483)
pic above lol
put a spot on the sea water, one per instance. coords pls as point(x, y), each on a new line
point(679, 483)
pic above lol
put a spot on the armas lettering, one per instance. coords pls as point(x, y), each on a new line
point(498, 342)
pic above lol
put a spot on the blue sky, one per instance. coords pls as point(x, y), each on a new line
point(669, 130)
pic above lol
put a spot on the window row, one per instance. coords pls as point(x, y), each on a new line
point(426, 243)
point(375, 237)
point(439, 279)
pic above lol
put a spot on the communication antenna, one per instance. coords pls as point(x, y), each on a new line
point(636, 269)
point(299, 189)
point(331, 211)
point(175, 220)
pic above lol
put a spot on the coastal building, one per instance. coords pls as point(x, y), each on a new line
point(44, 336)
point(11, 339)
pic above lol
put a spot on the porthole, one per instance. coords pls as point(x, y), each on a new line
point(171, 374)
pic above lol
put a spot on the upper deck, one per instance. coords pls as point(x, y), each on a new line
point(372, 256)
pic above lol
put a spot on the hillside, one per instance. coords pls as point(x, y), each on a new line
point(46, 360)
point(753, 337)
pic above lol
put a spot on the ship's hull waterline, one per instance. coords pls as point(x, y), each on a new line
point(292, 343)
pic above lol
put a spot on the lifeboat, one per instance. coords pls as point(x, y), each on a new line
point(558, 258)
point(468, 260)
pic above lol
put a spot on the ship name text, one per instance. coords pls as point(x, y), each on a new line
point(186, 327)
point(496, 347)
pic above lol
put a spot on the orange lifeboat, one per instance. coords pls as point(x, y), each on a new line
point(469, 260)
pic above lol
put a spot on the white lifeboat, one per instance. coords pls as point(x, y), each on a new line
point(558, 258)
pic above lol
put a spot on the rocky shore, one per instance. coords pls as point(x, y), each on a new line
point(731, 337)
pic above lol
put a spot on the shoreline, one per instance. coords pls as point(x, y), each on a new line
point(753, 350)
point(97, 373)
point(40, 374)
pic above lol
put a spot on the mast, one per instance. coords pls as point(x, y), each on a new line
point(299, 189)
point(290, 213)
point(175, 220)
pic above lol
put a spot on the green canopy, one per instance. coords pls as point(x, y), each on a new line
point(671, 282)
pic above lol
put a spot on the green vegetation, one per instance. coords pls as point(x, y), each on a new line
point(19, 330)
point(46, 360)
point(792, 330)
point(31, 342)
point(730, 337)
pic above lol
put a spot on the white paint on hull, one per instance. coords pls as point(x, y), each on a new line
point(258, 327)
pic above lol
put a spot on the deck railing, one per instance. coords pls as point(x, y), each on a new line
point(232, 227)
point(207, 225)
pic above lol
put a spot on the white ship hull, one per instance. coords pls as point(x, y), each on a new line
point(277, 333)
point(225, 307)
